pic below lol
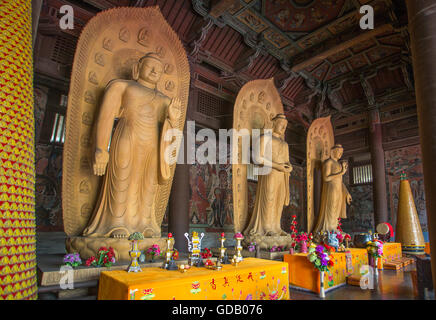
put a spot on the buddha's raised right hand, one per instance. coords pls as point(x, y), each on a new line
point(101, 159)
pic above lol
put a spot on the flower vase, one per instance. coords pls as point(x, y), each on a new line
point(134, 254)
point(321, 287)
point(291, 251)
point(303, 246)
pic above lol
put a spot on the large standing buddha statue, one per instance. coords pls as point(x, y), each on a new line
point(129, 88)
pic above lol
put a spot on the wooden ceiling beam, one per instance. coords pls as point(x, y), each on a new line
point(221, 6)
point(343, 46)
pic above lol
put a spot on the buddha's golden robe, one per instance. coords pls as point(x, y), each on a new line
point(136, 166)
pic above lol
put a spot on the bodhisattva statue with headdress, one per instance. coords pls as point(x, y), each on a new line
point(129, 90)
point(272, 192)
point(334, 194)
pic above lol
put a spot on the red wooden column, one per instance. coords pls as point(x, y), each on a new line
point(422, 29)
point(178, 214)
point(378, 168)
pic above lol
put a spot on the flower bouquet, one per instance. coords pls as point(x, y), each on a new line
point(276, 249)
point(375, 251)
point(375, 248)
point(252, 246)
point(206, 253)
point(106, 257)
point(339, 227)
point(153, 251)
point(209, 264)
point(301, 240)
point(321, 259)
point(294, 232)
point(175, 254)
point(72, 260)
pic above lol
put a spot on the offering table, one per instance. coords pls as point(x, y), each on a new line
point(253, 278)
point(391, 251)
point(303, 275)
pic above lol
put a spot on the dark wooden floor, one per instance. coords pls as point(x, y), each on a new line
point(391, 285)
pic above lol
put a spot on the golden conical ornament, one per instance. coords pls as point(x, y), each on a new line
point(408, 231)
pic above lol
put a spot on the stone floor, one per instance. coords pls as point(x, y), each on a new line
point(391, 285)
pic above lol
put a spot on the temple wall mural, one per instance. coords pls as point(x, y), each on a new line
point(406, 159)
point(361, 212)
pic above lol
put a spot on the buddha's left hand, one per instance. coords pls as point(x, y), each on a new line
point(174, 111)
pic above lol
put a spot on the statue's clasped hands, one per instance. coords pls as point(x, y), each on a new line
point(287, 167)
point(344, 166)
point(100, 162)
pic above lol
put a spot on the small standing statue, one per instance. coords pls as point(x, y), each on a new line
point(135, 253)
point(194, 247)
point(335, 195)
point(223, 258)
point(169, 263)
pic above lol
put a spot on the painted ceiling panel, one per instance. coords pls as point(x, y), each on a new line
point(301, 15)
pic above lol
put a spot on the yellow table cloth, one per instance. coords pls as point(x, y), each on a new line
point(303, 274)
point(391, 251)
point(256, 279)
point(427, 248)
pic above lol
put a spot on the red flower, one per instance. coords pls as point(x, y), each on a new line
point(176, 255)
point(90, 261)
point(330, 263)
point(294, 216)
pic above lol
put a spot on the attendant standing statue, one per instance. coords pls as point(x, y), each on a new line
point(258, 106)
point(334, 195)
point(129, 90)
point(272, 192)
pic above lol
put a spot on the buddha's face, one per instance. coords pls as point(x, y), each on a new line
point(150, 70)
point(337, 152)
point(280, 126)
